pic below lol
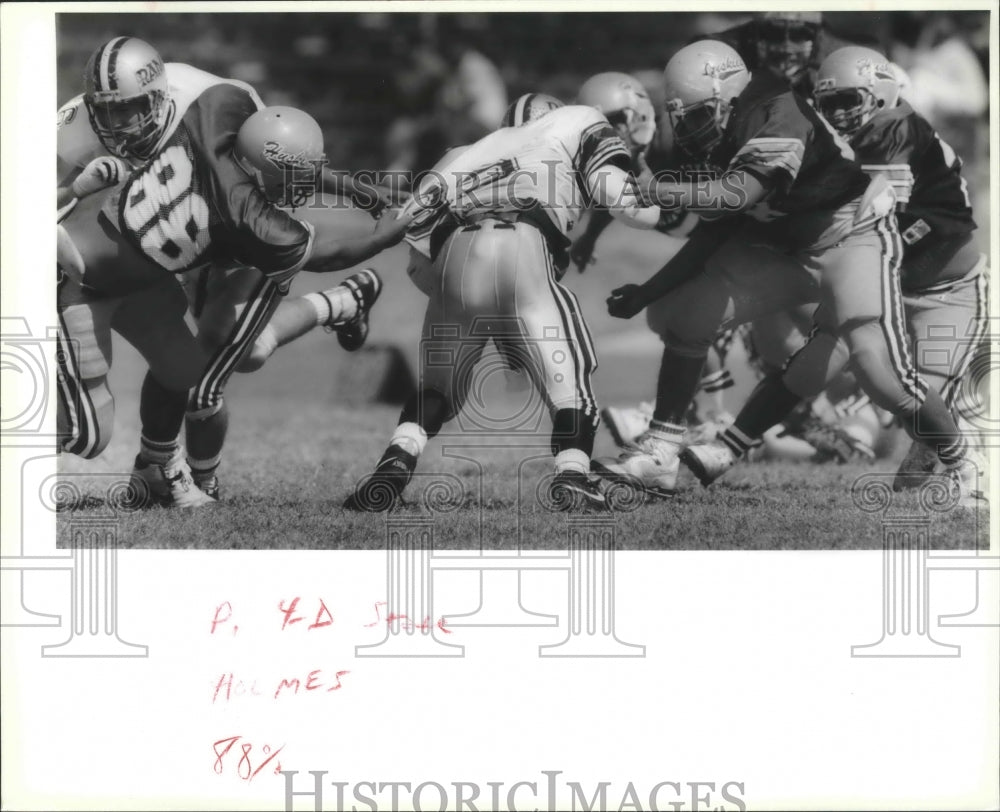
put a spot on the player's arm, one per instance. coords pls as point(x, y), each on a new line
point(333, 252)
point(768, 162)
point(582, 251)
point(734, 192)
point(688, 262)
point(617, 190)
point(365, 189)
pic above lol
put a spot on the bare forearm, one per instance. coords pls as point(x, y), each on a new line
point(732, 193)
point(689, 261)
point(336, 253)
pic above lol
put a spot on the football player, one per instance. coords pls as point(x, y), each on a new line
point(790, 45)
point(195, 194)
point(625, 103)
point(491, 224)
point(794, 220)
point(943, 276)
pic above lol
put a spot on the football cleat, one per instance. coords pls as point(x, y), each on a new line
point(708, 430)
point(365, 286)
point(208, 485)
point(627, 424)
point(169, 485)
point(708, 461)
point(652, 466)
point(575, 491)
point(383, 489)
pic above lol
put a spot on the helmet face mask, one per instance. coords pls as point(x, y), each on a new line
point(785, 43)
point(852, 85)
point(129, 128)
point(847, 109)
point(701, 82)
point(127, 97)
point(698, 128)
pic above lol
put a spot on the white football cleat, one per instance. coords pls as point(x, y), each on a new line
point(708, 461)
point(170, 485)
point(627, 424)
point(651, 465)
point(710, 429)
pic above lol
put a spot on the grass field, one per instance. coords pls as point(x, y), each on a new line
point(298, 444)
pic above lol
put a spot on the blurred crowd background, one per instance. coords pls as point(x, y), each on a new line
point(396, 89)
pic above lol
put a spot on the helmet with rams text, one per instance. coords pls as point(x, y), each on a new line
point(127, 97)
point(622, 99)
point(700, 83)
point(854, 83)
point(282, 149)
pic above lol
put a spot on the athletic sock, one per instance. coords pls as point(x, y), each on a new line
point(572, 459)
point(676, 385)
point(410, 437)
point(769, 404)
point(157, 453)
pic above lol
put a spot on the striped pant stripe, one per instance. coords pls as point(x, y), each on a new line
point(950, 390)
point(893, 320)
point(85, 429)
point(256, 314)
point(578, 337)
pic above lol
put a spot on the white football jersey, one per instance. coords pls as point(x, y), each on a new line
point(551, 161)
point(78, 144)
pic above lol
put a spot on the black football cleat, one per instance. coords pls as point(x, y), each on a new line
point(573, 491)
point(365, 286)
point(383, 489)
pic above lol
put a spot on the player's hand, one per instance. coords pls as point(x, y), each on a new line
point(376, 199)
point(391, 226)
point(626, 301)
point(581, 252)
point(99, 174)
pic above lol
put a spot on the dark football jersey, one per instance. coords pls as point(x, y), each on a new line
point(193, 204)
point(776, 136)
point(743, 39)
point(937, 202)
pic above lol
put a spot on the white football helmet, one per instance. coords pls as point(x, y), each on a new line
point(852, 84)
point(700, 83)
point(529, 107)
point(282, 149)
point(622, 99)
point(127, 97)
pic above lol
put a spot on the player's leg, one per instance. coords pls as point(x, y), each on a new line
point(86, 407)
point(560, 358)
point(154, 323)
point(860, 281)
point(343, 309)
point(238, 305)
point(449, 352)
point(947, 326)
point(743, 281)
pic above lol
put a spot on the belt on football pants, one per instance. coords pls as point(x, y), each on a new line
point(557, 242)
